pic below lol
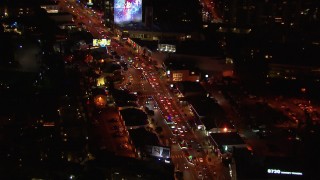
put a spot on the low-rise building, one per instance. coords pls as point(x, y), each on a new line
point(188, 89)
point(224, 142)
point(50, 6)
point(177, 71)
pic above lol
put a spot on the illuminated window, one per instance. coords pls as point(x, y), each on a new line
point(177, 77)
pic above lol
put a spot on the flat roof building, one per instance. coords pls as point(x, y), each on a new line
point(224, 142)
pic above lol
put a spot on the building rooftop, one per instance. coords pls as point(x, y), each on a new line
point(176, 63)
point(123, 98)
point(130, 168)
point(48, 2)
point(134, 117)
point(141, 137)
point(211, 123)
point(232, 138)
point(206, 107)
point(247, 166)
point(199, 48)
point(136, 26)
point(295, 54)
point(151, 45)
point(186, 87)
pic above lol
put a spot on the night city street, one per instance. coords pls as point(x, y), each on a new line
point(159, 89)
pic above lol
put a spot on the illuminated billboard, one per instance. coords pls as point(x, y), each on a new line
point(166, 48)
point(101, 42)
point(159, 151)
point(127, 11)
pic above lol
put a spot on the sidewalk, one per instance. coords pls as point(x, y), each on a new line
point(214, 162)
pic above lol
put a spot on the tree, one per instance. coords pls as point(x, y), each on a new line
point(150, 112)
point(158, 130)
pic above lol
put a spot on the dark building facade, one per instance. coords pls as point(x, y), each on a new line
point(251, 12)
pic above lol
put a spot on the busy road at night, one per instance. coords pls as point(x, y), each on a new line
point(159, 89)
point(189, 148)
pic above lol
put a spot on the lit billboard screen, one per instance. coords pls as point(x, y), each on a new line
point(101, 42)
point(127, 11)
point(159, 151)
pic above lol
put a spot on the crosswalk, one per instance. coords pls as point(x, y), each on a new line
point(177, 156)
point(180, 156)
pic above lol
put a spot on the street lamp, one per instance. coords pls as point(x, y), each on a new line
point(303, 91)
point(225, 129)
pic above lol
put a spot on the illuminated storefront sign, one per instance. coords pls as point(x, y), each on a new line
point(101, 42)
point(278, 171)
point(177, 76)
point(166, 48)
point(90, 3)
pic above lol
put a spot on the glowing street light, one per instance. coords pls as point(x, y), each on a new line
point(100, 101)
point(225, 129)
